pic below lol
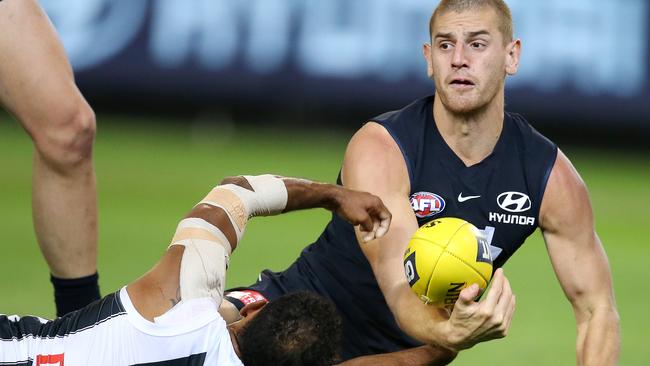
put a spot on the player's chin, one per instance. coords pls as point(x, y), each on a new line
point(463, 106)
point(461, 102)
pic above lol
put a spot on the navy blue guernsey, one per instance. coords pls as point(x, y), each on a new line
point(500, 195)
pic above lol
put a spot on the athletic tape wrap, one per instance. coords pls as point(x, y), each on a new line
point(205, 259)
point(227, 198)
point(207, 250)
point(269, 197)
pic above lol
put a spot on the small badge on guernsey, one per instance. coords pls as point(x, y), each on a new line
point(247, 296)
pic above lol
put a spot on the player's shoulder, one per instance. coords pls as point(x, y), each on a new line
point(374, 157)
point(566, 198)
point(371, 136)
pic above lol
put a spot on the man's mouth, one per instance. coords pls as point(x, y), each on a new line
point(462, 83)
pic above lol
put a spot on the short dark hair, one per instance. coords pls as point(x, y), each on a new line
point(296, 329)
point(458, 6)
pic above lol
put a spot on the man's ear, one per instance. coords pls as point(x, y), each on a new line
point(252, 307)
point(426, 52)
point(512, 57)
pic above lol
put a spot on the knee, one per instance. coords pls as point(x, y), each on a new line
point(66, 139)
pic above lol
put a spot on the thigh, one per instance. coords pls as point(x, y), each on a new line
point(36, 79)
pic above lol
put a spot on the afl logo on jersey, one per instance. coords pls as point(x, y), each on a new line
point(426, 204)
point(514, 201)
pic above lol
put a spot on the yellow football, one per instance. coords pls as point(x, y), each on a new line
point(444, 256)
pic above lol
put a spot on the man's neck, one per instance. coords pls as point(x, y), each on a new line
point(233, 331)
point(472, 137)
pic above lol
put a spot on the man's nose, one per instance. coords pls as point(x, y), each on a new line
point(459, 58)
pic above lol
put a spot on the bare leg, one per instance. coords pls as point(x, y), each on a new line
point(37, 86)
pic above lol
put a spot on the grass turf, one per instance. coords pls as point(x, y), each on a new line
point(150, 174)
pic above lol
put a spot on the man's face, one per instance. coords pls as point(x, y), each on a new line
point(468, 59)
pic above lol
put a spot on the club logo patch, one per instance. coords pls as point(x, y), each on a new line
point(426, 204)
point(514, 201)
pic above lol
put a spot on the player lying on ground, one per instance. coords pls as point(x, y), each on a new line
point(37, 86)
point(169, 315)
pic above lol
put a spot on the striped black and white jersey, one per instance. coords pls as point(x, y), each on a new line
point(111, 332)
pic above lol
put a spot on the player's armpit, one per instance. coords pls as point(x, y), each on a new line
point(419, 356)
point(580, 263)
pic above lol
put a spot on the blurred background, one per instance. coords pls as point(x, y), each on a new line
point(187, 92)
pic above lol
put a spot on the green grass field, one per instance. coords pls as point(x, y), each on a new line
point(149, 175)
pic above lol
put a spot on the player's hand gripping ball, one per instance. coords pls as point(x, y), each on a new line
point(444, 256)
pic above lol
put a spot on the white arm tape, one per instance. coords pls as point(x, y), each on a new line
point(205, 259)
point(191, 227)
point(227, 198)
point(271, 195)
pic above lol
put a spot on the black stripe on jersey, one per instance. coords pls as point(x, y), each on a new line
point(17, 363)
point(193, 360)
point(74, 322)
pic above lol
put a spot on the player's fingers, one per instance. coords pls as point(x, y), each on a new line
point(505, 297)
point(496, 286)
point(368, 230)
point(498, 318)
point(509, 314)
point(467, 295)
point(373, 233)
point(384, 225)
point(366, 224)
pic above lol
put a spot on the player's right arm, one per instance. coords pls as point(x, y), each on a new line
point(374, 163)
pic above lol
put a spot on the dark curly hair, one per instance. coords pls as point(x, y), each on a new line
point(296, 329)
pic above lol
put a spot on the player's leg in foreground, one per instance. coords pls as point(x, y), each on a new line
point(37, 86)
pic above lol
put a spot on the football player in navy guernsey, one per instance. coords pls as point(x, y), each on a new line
point(456, 153)
point(170, 316)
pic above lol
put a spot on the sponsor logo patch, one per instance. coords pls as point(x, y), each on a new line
point(426, 204)
point(511, 219)
point(514, 201)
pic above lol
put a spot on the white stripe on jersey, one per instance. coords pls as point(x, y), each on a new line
point(192, 329)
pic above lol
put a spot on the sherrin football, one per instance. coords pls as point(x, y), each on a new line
point(443, 257)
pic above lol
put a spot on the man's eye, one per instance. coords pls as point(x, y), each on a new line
point(477, 45)
point(445, 46)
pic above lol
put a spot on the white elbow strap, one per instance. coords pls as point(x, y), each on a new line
point(205, 259)
point(269, 197)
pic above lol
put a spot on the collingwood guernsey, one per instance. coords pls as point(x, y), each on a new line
point(111, 332)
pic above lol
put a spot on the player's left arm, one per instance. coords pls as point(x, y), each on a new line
point(580, 263)
point(418, 356)
point(159, 290)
